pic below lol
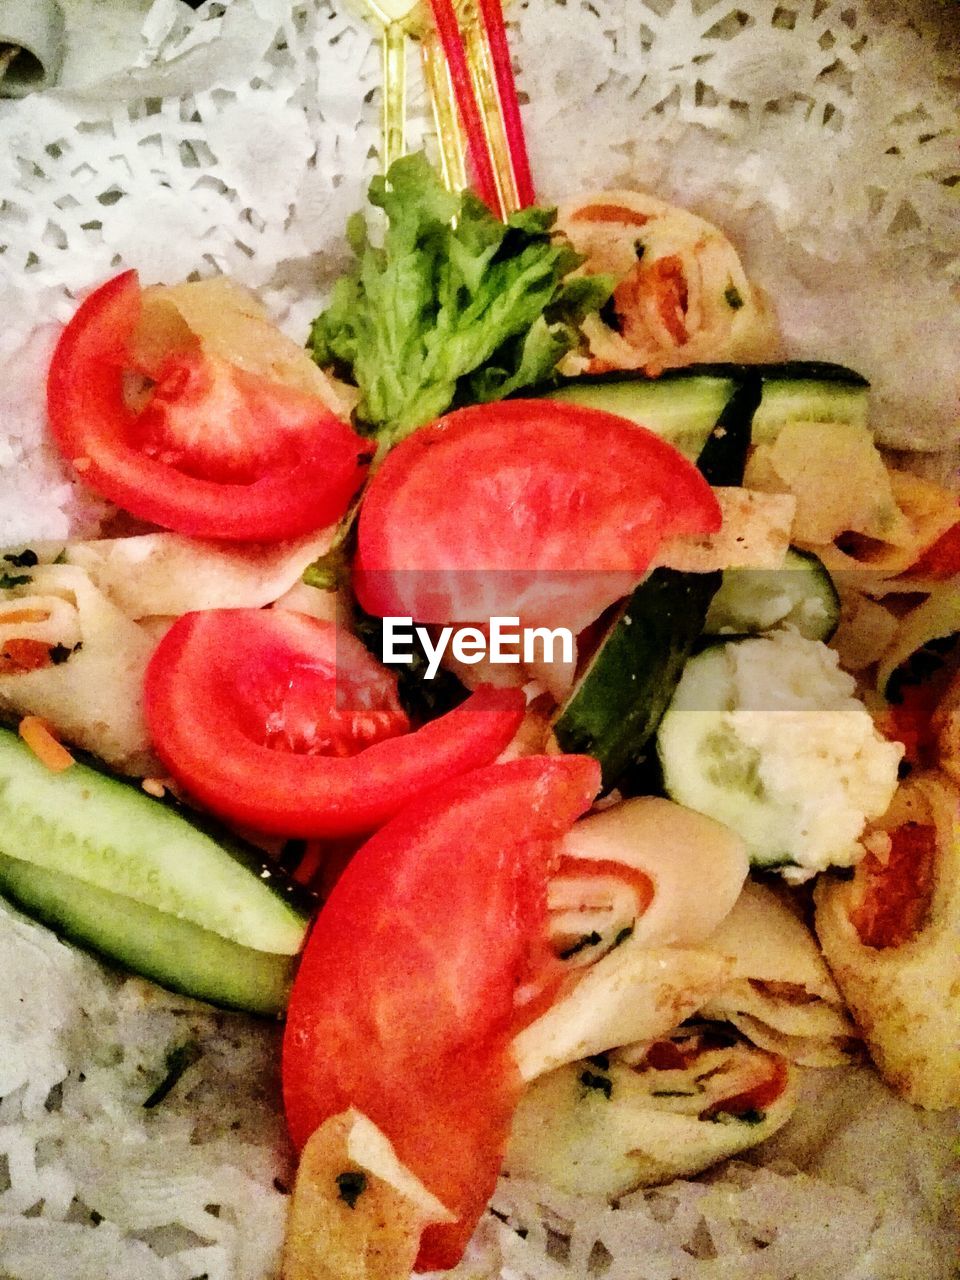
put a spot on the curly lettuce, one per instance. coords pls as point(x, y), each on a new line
point(454, 307)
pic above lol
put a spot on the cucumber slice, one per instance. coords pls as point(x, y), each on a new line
point(682, 410)
point(617, 703)
point(809, 392)
point(766, 735)
point(175, 953)
point(170, 890)
point(707, 768)
point(682, 405)
point(801, 594)
point(723, 458)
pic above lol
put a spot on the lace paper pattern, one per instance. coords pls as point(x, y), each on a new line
point(247, 132)
point(93, 1183)
point(837, 115)
point(240, 143)
point(740, 1221)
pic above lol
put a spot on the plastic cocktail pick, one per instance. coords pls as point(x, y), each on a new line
point(466, 65)
point(395, 20)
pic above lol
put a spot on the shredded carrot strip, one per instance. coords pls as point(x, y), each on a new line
point(19, 655)
point(309, 864)
point(36, 734)
point(610, 213)
point(24, 615)
point(668, 284)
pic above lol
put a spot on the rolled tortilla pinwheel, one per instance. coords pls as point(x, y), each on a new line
point(639, 886)
point(681, 296)
point(645, 1115)
point(31, 46)
point(165, 574)
point(695, 867)
point(891, 935)
point(73, 658)
point(780, 994)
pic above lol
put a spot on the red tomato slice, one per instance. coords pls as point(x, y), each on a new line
point(287, 725)
point(218, 453)
point(406, 1000)
point(529, 508)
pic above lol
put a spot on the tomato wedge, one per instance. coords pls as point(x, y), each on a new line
point(287, 724)
point(217, 453)
point(529, 508)
point(406, 1000)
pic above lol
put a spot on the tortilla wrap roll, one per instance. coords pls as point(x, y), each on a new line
point(653, 1112)
point(891, 935)
point(70, 656)
point(681, 295)
point(780, 994)
point(639, 888)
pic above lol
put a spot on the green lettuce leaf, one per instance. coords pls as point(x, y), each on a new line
point(453, 307)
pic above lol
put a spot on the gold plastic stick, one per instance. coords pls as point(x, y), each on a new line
point(488, 100)
point(399, 20)
point(392, 18)
point(446, 118)
point(394, 93)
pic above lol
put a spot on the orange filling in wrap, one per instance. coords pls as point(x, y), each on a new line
point(610, 213)
point(732, 1079)
point(664, 283)
point(17, 656)
point(895, 892)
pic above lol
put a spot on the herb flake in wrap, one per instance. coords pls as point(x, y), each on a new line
point(455, 307)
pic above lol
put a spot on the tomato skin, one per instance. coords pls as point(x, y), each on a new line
point(555, 511)
point(219, 679)
point(942, 560)
point(96, 431)
point(404, 1005)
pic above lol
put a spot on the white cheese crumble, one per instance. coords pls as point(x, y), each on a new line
point(818, 755)
point(784, 752)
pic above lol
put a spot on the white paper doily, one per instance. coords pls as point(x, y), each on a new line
point(823, 135)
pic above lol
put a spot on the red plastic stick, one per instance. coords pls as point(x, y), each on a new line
point(452, 41)
point(491, 14)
